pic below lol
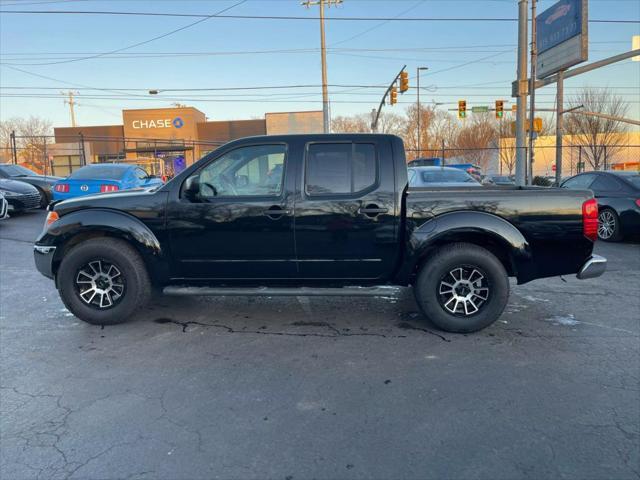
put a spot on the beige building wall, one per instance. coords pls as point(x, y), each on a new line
point(545, 153)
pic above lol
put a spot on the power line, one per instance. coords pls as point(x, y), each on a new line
point(153, 39)
point(291, 17)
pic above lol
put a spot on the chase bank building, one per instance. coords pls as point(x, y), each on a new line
point(165, 140)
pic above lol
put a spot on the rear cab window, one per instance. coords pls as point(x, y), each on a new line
point(344, 168)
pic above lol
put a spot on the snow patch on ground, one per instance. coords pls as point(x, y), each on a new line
point(565, 320)
point(531, 298)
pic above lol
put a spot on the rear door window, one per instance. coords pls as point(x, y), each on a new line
point(579, 182)
point(340, 168)
point(605, 183)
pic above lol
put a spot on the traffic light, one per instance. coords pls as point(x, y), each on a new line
point(404, 82)
point(394, 95)
point(499, 109)
point(462, 109)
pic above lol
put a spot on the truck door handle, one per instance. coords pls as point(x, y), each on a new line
point(372, 210)
point(275, 212)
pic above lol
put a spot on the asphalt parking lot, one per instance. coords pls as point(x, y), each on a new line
point(326, 388)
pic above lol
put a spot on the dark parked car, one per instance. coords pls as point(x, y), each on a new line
point(20, 196)
point(44, 184)
point(618, 195)
point(500, 180)
point(314, 215)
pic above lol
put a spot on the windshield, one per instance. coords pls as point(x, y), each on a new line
point(17, 171)
point(446, 176)
point(108, 172)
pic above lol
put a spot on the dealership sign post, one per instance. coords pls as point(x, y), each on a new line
point(562, 36)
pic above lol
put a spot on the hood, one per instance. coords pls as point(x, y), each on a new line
point(39, 180)
point(16, 186)
point(117, 200)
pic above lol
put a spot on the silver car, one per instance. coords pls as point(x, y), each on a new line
point(439, 177)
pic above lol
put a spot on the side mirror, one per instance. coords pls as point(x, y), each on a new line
point(191, 187)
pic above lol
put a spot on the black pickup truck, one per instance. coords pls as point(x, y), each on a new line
point(314, 215)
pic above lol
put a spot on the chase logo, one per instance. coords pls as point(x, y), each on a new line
point(178, 122)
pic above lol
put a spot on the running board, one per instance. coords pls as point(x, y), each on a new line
point(383, 291)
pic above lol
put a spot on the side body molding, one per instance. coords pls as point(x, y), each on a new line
point(469, 226)
point(110, 223)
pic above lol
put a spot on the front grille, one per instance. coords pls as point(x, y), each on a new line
point(31, 200)
point(3, 208)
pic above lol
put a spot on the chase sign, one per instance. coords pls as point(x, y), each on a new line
point(158, 123)
point(562, 36)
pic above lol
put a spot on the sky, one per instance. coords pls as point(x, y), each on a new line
point(472, 60)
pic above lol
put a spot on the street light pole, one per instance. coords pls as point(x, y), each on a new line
point(532, 90)
point(419, 110)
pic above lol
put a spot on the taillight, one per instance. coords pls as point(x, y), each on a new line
point(638, 202)
point(51, 217)
point(590, 219)
point(109, 188)
point(61, 187)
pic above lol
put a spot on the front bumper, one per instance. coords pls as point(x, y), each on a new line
point(19, 203)
point(592, 268)
point(43, 256)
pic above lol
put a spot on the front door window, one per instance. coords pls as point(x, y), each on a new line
point(256, 170)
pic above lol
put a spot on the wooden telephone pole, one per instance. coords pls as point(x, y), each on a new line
point(71, 102)
point(323, 53)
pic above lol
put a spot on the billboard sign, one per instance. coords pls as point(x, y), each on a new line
point(562, 36)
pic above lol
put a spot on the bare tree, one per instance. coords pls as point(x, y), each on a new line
point(351, 124)
point(507, 146)
point(600, 138)
point(31, 136)
point(476, 141)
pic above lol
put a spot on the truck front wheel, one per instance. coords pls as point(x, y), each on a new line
point(103, 281)
point(462, 288)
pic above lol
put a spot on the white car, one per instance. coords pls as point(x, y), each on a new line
point(4, 207)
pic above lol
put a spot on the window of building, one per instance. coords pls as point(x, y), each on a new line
point(340, 168)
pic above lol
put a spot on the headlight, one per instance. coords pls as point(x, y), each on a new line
point(7, 193)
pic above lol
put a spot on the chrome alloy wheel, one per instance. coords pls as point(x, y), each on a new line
point(606, 224)
point(100, 284)
point(463, 291)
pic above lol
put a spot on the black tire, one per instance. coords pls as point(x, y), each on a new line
point(437, 272)
point(44, 200)
point(611, 218)
point(136, 287)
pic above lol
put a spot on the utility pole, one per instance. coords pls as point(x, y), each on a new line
point(71, 104)
point(532, 89)
point(418, 70)
point(520, 92)
point(323, 53)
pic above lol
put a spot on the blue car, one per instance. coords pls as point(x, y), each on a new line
point(102, 178)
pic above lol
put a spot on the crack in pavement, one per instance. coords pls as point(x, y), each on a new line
point(335, 332)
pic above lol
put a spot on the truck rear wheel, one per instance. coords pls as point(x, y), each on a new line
point(103, 281)
point(462, 288)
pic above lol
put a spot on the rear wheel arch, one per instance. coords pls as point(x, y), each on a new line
point(482, 229)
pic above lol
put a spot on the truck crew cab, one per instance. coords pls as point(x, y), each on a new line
point(314, 215)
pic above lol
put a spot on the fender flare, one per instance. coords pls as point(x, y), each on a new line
point(113, 223)
point(455, 225)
